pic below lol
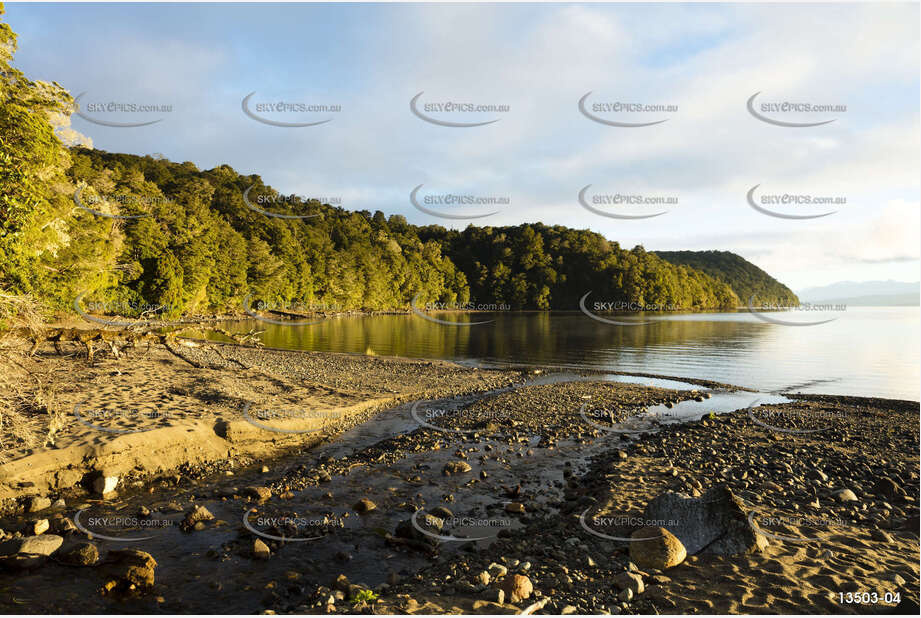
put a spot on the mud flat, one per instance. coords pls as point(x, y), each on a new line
point(501, 493)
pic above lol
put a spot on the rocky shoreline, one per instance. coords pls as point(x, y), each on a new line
point(500, 492)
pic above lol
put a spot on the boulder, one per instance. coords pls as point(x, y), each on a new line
point(714, 523)
point(656, 548)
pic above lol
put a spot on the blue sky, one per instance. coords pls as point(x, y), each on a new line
point(539, 60)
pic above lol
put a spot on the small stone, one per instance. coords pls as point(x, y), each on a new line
point(569, 609)
point(844, 495)
point(495, 595)
point(442, 513)
point(887, 488)
point(43, 545)
point(260, 494)
point(497, 570)
point(341, 584)
point(514, 507)
point(197, 514)
point(65, 525)
point(483, 578)
point(656, 548)
point(261, 551)
point(39, 526)
point(626, 595)
point(105, 484)
point(629, 581)
point(133, 567)
point(517, 587)
point(881, 536)
point(37, 503)
point(364, 506)
point(455, 467)
point(82, 554)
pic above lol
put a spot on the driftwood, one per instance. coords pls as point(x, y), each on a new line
point(116, 340)
point(533, 607)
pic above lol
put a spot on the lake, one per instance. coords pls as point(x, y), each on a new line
point(868, 351)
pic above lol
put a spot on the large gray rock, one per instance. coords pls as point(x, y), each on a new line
point(714, 523)
point(41, 545)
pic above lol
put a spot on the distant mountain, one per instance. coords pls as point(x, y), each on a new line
point(865, 293)
point(745, 279)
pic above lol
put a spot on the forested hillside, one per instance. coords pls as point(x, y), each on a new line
point(745, 278)
point(543, 267)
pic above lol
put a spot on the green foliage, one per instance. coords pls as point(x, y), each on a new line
point(364, 596)
point(197, 246)
point(745, 278)
point(45, 248)
point(534, 266)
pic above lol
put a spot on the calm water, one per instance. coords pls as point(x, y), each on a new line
point(871, 351)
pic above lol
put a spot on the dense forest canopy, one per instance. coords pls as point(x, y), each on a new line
point(747, 280)
point(137, 231)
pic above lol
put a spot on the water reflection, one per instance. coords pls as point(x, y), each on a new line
point(868, 351)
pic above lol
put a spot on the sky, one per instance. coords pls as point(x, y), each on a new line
point(698, 63)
